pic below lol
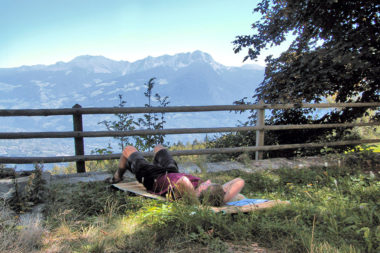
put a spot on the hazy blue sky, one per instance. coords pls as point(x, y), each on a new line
point(47, 31)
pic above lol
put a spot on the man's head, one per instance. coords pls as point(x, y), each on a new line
point(212, 194)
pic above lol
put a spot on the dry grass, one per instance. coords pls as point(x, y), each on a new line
point(19, 234)
point(90, 217)
point(100, 234)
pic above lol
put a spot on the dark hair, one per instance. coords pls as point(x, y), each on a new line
point(213, 195)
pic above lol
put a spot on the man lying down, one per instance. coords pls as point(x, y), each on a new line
point(163, 178)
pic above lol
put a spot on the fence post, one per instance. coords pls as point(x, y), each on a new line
point(260, 133)
point(79, 146)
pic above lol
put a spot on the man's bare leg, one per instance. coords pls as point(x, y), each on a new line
point(157, 148)
point(118, 176)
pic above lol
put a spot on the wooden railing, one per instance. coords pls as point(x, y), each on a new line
point(78, 134)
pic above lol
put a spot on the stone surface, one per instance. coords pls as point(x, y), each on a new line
point(189, 168)
point(224, 166)
point(7, 186)
point(80, 177)
point(275, 163)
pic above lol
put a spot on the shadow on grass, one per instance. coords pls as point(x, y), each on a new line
point(331, 210)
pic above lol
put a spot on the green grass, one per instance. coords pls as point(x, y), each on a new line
point(375, 148)
point(331, 210)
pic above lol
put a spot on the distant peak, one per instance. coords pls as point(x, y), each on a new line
point(198, 56)
point(101, 64)
point(176, 61)
point(199, 53)
point(96, 64)
point(89, 58)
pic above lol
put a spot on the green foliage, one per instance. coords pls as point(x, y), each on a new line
point(368, 132)
point(336, 200)
point(197, 159)
point(16, 202)
point(35, 188)
point(33, 193)
point(151, 121)
point(91, 166)
point(330, 210)
point(123, 123)
point(64, 169)
point(238, 139)
point(86, 200)
point(102, 165)
point(338, 59)
point(363, 158)
point(326, 58)
point(343, 201)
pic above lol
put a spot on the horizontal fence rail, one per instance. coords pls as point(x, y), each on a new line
point(59, 159)
point(71, 134)
point(209, 108)
point(78, 134)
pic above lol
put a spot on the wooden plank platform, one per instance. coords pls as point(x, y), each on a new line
point(248, 208)
point(139, 189)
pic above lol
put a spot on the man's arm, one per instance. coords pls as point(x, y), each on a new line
point(232, 188)
point(185, 189)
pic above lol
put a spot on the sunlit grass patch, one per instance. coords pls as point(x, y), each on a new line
point(331, 210)
point(368, 147)
point(375, 148)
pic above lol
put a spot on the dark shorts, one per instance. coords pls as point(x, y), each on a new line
point(147, 173)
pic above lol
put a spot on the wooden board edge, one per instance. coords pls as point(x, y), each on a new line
point(248, 208)
point(138, 192)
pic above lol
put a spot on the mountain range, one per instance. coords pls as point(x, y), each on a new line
point(95, 81)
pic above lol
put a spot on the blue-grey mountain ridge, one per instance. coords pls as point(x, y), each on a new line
point(95, 81)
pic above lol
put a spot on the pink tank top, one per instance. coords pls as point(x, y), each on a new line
point(168, 181)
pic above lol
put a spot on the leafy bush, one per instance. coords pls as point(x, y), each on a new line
point(239, 139)
point(149, 121)
point(23, 199)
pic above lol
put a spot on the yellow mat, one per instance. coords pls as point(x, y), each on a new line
point(139, 189)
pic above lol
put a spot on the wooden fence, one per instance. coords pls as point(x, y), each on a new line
point(78, 134)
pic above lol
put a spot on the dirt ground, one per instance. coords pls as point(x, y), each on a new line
point(252, 248)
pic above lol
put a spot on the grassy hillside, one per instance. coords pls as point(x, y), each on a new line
point(331, 210)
